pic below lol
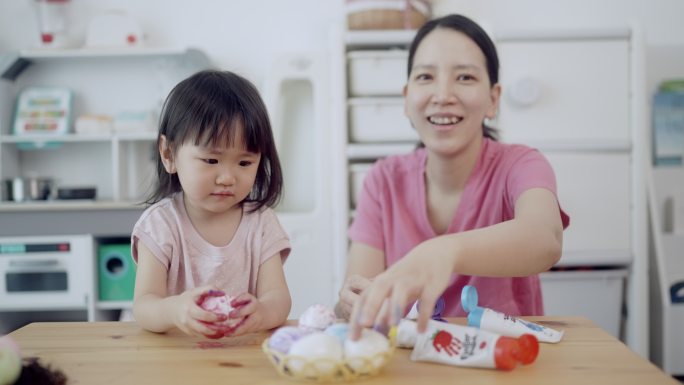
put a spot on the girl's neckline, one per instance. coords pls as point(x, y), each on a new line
point(194, 234)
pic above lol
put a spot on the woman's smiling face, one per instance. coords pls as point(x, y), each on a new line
point(448, 94)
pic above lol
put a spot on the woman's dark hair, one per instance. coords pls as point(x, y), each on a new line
point(471, 29)
point(206, 109)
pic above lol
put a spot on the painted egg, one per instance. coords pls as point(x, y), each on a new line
point(339, 330)
point(317, 317)
point(364, 354)
point(407, 333)
point(317, 354)
point(10, 361)
point(220, 305)
point(283, 338)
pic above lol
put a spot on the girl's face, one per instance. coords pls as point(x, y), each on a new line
point(214, 180)
point(448, 93)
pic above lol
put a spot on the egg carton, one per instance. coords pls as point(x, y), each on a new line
point(325, 369)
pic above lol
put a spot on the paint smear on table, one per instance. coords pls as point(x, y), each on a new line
point(210, 345)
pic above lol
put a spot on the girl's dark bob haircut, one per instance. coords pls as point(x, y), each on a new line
point(208, 109)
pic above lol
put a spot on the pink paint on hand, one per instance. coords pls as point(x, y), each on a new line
point(220, 305)
point(238, 304)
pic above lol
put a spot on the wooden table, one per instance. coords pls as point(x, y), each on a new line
point(122, 353)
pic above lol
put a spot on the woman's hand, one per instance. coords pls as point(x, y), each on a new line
point(350, 294)
point(422, 274)
point(191, 319)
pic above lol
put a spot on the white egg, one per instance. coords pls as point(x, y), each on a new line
point(339, 330)
point(407, 333)
point(317, 317)
point(322, 351)
point(364, 354)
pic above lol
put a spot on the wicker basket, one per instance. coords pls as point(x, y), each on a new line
point(326, 370)
point(404, 15)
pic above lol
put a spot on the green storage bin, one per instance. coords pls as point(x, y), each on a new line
point(116, 272)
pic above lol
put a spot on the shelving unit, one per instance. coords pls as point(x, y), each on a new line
point(119, 164)
point(103, 81)
point(666, 200)
point(592, 131)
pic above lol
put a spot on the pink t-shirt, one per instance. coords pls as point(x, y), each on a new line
point(391, 215)
point(166, 230)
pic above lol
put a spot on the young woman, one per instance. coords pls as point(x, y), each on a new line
point(462, 209)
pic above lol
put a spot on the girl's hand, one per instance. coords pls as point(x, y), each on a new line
point(420, 275)
point(191, 319)
point(250, 311)
point(350, 294)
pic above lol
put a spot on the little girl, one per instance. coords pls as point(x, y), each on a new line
point(210, 229)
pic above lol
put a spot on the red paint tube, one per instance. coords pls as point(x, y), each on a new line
point(467, 346)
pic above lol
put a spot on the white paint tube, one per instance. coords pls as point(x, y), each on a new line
point(507, 325)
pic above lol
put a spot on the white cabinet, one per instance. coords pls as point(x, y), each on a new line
point(571, 91)
point(113, 82)
point(594, 189)
point(574, 95)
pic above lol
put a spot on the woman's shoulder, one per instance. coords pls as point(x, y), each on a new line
point(510, 152)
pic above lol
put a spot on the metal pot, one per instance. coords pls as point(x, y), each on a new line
point(28, 189)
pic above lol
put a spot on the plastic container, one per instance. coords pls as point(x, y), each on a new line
point(379, 120)
point(53, 22)
point(116, 272)
point(377, 72)
point(601, 291)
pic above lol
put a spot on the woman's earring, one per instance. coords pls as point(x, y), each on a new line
point(490, 121)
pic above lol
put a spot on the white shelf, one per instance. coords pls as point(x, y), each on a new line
point(114, 305)
point(595, 258)
point(366, 151)
point(581, 145)
point(562, 34)
point(68, 204)
point(378, 38)
point(38, 139)
point(38, 54)
point(13, 63)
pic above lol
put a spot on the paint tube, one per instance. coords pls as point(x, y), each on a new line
point(494, 321)
point(436, 312)
point(467, 346)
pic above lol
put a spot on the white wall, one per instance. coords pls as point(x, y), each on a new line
point(661, 19)
point(246, 36)
point(240, 35)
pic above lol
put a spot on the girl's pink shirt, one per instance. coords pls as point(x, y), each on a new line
point(391, 215)
point(190, 261)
